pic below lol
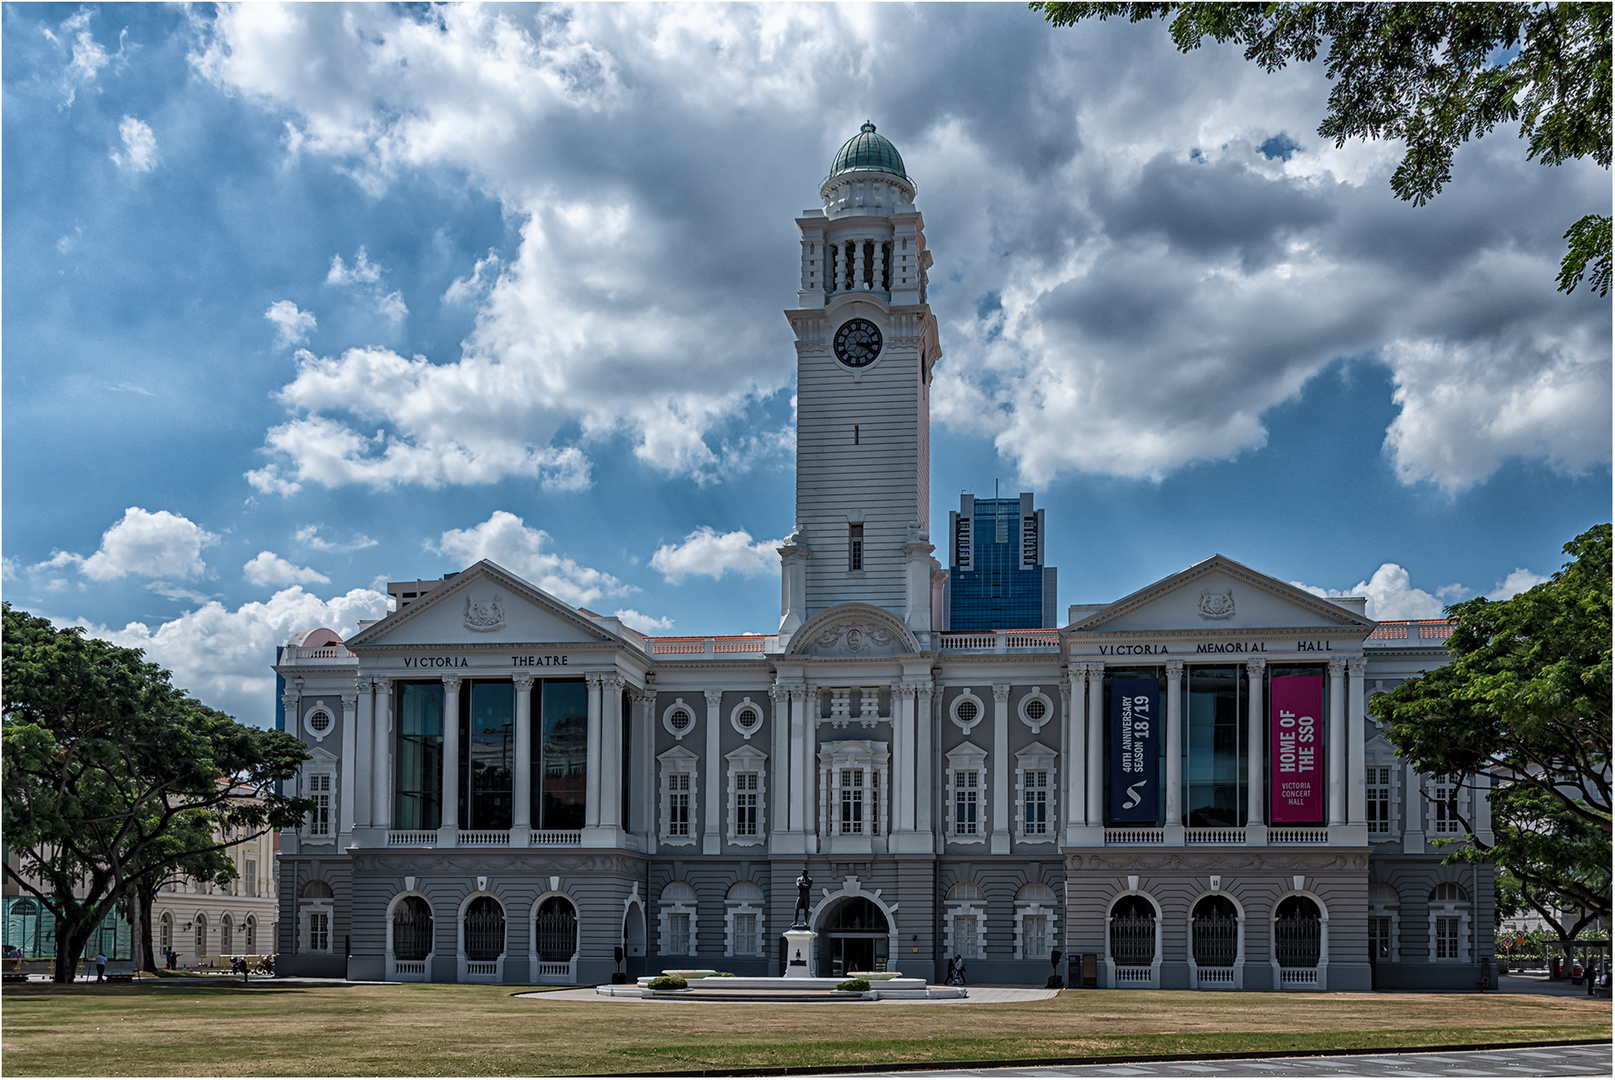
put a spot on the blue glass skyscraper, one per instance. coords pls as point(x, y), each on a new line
point(996, 576)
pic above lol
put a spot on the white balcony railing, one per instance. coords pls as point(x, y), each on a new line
point(1298, 836)
point(486, 838)
point(1135, 836)
point(1132, 976)
point(1297, 978)
point(1214, 978)
point(1000, 641)
point(557, 838)
point(412, 838)
point(1213, 836)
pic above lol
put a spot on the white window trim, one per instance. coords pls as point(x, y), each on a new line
point(679, 760)
point(1239, 939)
point(748, 759)
point(734, 718)
point(1461, 803)
point(319, 706)
point(875, 761)
point(1155, 964)
point(953, 710)
point(1393, 820)
point(1449, 909)
point(976, 909)
point(665, 908)
point(967, 757)
point(1051, 712)
point(744, 907)
point(1384, 911)
point(1024, 908)
point(1033, 758)
point(1323, 938)
point(308, 908)
point(667, 718)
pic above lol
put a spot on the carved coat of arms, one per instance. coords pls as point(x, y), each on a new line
point(484, 615)
point(1216, 605)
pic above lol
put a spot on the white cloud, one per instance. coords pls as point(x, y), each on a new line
point(222, 657)
point(506, 540)
point(465, 290)
point(708, 553)
point(1516, 583)
point(392, 307)
point(309, 536)
point(86, 56)
point(139, 153)
point(155, 545)
point(1391, 595)
point(361, 272)
point(638, 620)
point(291, 325)
point(266, 569)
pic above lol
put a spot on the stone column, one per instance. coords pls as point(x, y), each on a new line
point(1000, 762)
point(902, 812)
point(449, 831)
point(348, 792)
point(381, 782)
point(363, 763)
point(1076, 761)
point(521, 788)
point(858, 265)
point(611, 752)
point(1356, 769)
point(1096, 745)
point(1066, 757)
point(924, 787)
point(1337, 741)
point(712, 827)
point(293, 704)
point(801, 767)
point(779, 771)
point(1413, 813)
point(1255, 749)
point(1174, 751)
point(591, 795)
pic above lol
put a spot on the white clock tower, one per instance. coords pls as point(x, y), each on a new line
point(866, 344)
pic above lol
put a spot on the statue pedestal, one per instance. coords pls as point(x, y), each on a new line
point(799, 952)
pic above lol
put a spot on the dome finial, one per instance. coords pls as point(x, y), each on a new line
point(869, 125)
point(868, 151)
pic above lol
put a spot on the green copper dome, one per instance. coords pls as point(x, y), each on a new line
point(867, 150)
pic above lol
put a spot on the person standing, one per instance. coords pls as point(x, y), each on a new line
point(100, 967)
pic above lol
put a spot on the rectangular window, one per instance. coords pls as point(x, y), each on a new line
point(418, 760)
point(746, 804)
point(678, 805)
point(1215, 747)
point(966, 797)
point(965, 936)
point(1379, 936)
point(874, 803)
point(319, 819)
point(487, 751)
point(852, 802)
point(745, 934)
point(1447, 937)
point(1036, 787)
point(678, 934)
point(1379, 801)
point(319, 931)
point(1444, 793)
point(250, 932)
point(855, 546)
point(1034, 937)
point(560, 765)
point(250, 878)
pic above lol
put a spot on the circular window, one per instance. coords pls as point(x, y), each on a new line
point(747, 718)
point(1036, 709)
point(680, 719)
point(319, 720)
point(966, 710)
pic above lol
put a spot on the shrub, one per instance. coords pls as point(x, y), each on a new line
point(859, 985)
point(723, 974)
point(667, 982)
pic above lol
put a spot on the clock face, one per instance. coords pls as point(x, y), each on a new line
point(858, 342)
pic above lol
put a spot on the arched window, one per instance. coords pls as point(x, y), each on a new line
point(1449, 891)
point(484, 929)
point(965, 921)
point(201, 936)
point(1214, 932)
point(165, 937)
point(249, 931)
point(1383, 910)
point(743, 908)
point(412, 929)
point(227, 937)
point(678, 919)
point(1132, 932)
point(1297, 933)
point(317, 911)
point(1035, 908)
point(555, 929)
point(1449, 922)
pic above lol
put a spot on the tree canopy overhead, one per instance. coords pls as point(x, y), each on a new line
point(1434, 75)
point(114, 778)
point(1526, 702)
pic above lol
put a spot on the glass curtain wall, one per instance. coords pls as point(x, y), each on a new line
point(561, 756)
point(1215, 728)
point(1159, 675)
point(488, 741)
point(418, 764)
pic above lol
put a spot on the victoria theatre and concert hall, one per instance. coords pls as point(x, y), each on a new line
point(1180, 788)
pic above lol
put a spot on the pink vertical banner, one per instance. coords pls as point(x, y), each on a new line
point(1295, 749)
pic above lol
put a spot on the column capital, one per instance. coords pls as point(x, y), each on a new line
point(638, 695)
point(1256, 665)
point(1001, 692)
point(350, 701)
point(362, 684)
point(1358, 665)
point(714, 698)
point(1096, 669)
point(523, 680)
point(800, 693)
point(779, 692)
point(1174, 669)
point(1065, 691)
point(451, 682)
point(289, 700)
point(612, 680)
point(1337, 666)
point(592, 679)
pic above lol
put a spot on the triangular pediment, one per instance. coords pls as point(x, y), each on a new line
point(1220, 594)
point(484, 605)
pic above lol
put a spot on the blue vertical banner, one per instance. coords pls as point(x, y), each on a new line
point(1135, 772)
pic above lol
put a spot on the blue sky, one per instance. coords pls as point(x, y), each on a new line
point(299, 301)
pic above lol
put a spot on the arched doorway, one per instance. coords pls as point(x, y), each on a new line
point(555, 939)
point(855, 937)
point(633, 939)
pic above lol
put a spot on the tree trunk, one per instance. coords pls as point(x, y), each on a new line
point(70, 941)
point(144, 896)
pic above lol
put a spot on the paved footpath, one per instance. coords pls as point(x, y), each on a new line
point(1555, 1061)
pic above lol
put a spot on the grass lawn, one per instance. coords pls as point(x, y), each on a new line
point(423, 1029)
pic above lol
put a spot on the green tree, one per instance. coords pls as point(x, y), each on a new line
point(1433, 75)
point(1525, 703)
point(115, 779)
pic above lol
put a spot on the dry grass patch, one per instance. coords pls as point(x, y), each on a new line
point(424, 1029)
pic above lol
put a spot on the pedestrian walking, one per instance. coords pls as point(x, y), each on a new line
point(100, 967)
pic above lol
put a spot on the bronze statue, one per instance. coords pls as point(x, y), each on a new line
point(804, 886)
